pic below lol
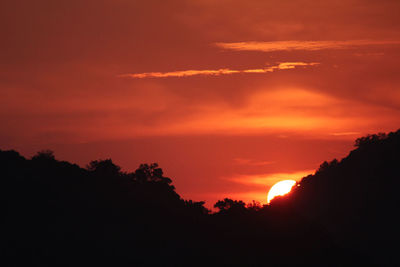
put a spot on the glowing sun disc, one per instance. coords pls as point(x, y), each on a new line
point(280, 188)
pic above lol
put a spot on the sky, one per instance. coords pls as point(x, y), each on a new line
point(227, 96)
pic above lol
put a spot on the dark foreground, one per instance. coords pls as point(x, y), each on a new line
point(58, 214)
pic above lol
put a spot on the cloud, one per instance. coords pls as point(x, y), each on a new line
point(292, 65)
point(345, 133)
point(188, 73)
point(270, 178)
point(301, 45)
point(183, 73)
point(250, 162)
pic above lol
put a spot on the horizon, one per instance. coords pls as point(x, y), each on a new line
point(251, 198)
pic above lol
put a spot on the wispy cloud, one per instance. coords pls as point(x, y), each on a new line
point(292, 65)
point(300, 45)
point(345, 133)
point(269, 179)
point(188, 73)
point(250, 162)
point(183, 73)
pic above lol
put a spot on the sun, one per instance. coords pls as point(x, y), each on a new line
point(280, 188)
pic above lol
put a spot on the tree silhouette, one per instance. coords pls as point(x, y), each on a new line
point(370, 139)
point(198, 206)
point(46, 155)
point(254, 206)
point(57, 213)
point(230, 205)
point(151, 173)
point(104, 168)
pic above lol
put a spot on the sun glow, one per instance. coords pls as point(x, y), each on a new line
point(280, 188)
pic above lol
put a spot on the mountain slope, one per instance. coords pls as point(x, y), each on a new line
point(357, 199)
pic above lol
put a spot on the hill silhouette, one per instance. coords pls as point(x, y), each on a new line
point(357, 198)
point(59, 214)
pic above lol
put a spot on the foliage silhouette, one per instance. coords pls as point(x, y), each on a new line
point(57, 213)
point(356, 199)
point(229, 205)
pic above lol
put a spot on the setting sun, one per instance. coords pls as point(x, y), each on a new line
point(280, 188)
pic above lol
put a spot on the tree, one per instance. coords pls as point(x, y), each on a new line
point(230, 205)
point(197, 206)
point(151, 173)
point(104, 167)
point(370, 139)
point(254, 206)
point(44, 155)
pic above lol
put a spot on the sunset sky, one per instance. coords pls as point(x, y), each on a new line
point(227, 96)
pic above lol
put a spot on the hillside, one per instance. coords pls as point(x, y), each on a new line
point(357, 198)
point(58, 213)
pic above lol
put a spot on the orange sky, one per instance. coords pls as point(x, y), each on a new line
point(228, 96)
